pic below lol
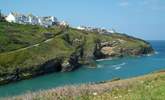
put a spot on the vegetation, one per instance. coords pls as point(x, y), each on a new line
point(1, 17)
point(149, 87)
point(15, 36)
point(33, 49)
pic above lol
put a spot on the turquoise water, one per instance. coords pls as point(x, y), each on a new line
point(106, 70)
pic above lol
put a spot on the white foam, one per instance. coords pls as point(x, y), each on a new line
point(156, 52)
point(99, 66)
point(119, 65)
point(149, 55)
point(117, 68)
point(122, 64)
point(104, 59)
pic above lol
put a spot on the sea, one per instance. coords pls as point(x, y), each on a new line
point(106, 69)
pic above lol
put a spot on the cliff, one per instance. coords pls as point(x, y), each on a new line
point(27, 51)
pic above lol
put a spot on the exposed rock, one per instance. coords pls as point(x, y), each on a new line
point(73, 62)
point(112, 49)
point(107, 50)
point(65, 66)
point(52, 65)
point(97, 50)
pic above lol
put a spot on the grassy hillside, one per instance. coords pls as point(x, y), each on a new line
point(29, 50)
point(148, 87)
point(15, 36)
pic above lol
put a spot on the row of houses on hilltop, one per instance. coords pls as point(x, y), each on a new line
point(34, 20)
point(49, 21)
point(99, 30)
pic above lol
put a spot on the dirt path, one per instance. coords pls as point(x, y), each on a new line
point(35, 45)
point(31, 46)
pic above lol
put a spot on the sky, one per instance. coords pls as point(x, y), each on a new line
point(140, 18)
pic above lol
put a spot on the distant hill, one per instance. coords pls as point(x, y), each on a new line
point(29, 50)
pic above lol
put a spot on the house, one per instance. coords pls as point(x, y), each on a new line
point(11, 18)
point(31, 19)
point(111, 31)
point(22, 19)
point(81, 28)
point(47, 21)
point(17, 18)
point(94, 29)
point(63, 23)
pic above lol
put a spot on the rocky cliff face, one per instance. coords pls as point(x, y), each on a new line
point(113, 49)
point(50, 66)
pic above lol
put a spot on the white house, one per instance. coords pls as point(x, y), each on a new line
point(33, 19)
point(94, 29)
point(30, 19)
point(54, 19)
point(63, 23)
point(17, 18)
point(81, 27)
point(111, 31)
point(10, 18)
point(47, 21)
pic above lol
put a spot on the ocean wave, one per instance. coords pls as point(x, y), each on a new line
point(104, 59)
point(118, 66)
point(99, 66)
point(156, 52)
point(150, 55)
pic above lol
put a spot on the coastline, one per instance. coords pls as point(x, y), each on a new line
point(73, 77)
point(94, 90)
point(5, 82)
point(67, 50)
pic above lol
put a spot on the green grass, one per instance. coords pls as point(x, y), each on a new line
point(148, 87)
point(12, 55)
point(15, 36)
point(18, 47)
point(34, 56)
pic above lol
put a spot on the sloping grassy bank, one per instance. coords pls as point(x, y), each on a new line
point(148, 87)
point(15, 36)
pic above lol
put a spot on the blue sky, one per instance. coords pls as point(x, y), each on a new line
point(141, 18)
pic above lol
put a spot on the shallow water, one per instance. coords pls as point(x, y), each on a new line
point(106, 70)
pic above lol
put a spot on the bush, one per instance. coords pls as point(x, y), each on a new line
point(2, 18)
